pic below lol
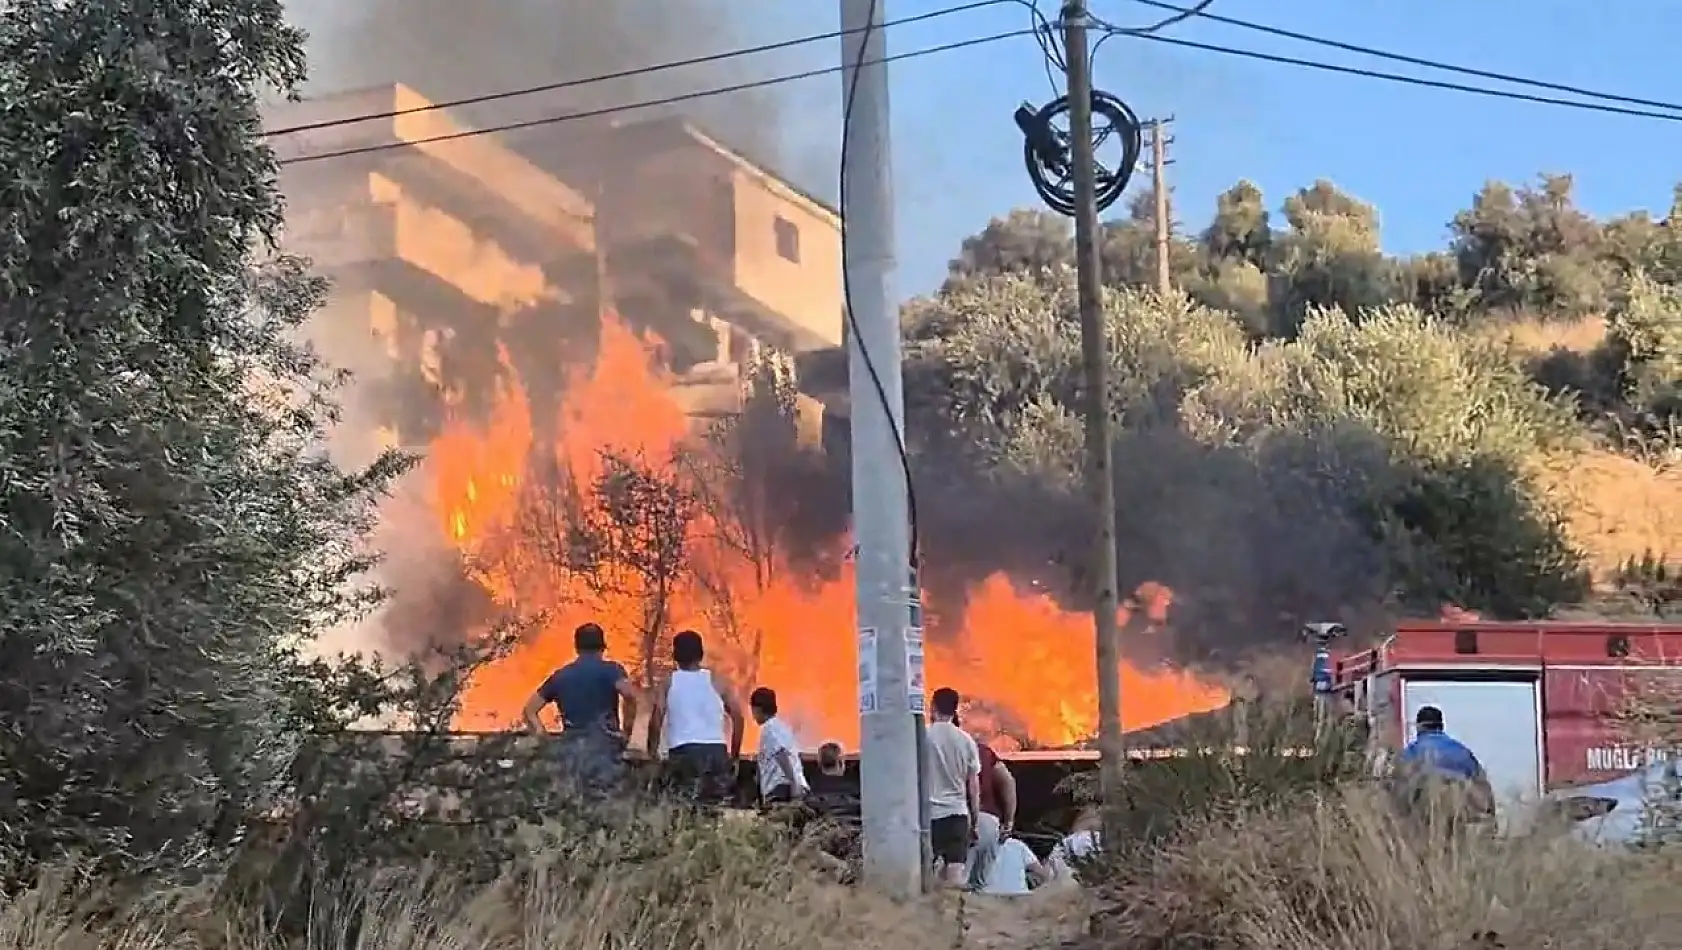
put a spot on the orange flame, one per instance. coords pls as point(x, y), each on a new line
point(1025, 658)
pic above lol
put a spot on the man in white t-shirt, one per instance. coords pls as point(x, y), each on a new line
point(954, 775)
point(781, 776)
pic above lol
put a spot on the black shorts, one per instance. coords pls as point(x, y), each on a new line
point(949, 839)
point(702, 771)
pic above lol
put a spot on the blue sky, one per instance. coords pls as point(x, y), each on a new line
point(1418, 154)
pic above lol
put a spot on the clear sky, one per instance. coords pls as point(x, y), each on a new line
point(1418, 154)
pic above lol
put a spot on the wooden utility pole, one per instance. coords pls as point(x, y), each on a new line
point(1099, 436)
point(1160, 161)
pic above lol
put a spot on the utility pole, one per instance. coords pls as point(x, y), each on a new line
point(890, 762)
point(1159, 183)
point(1099, 435)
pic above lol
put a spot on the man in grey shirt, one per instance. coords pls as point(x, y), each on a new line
point(954, 773)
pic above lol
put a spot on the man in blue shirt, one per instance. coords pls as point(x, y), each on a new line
point(1435, 757)
point(587, 693)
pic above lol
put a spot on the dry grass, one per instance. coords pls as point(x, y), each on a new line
point(1342, 872)
point(1332, 870)
point(712, 887)
point(1616, 507)
point(1537, 337)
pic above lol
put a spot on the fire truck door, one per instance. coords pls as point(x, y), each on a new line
point(1498, 721)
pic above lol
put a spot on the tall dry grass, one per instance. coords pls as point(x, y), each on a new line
point(682, 882)
point(1343, 871)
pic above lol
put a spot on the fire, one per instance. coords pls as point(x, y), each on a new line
point(1017, 653)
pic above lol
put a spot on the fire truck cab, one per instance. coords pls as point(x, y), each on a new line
point(1536, 702)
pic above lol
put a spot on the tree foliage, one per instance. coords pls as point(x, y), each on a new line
point(1362, 460)
point(173, 534)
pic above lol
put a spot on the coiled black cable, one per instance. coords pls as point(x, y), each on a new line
point(1048, 157)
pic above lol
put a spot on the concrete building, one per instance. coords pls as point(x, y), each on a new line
point(436, 232)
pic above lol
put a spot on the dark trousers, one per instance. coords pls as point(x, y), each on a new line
point(701, 771)
point(592, 759)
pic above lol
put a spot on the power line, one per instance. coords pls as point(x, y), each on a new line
point(1406, 80)
point(625, 73)
point(645, 104)
point(1417, 81)
point(1200, 11)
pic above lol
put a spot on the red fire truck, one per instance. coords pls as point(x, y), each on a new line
point(1539, 703)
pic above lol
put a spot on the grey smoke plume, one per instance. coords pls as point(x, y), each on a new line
point(447, 49)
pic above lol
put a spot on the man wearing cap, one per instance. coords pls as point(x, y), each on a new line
point(1435, 758)
point(587, 693)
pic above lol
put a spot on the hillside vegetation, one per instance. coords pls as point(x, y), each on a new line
point(1312, 426)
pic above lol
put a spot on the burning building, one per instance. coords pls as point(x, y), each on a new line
point(551, 330)
point(443, 242)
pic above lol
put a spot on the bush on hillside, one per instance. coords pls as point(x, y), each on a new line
point(1385, 459)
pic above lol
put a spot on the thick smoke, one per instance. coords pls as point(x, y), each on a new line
point(448, 50)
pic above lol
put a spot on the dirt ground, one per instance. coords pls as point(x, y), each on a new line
point(1052, 916)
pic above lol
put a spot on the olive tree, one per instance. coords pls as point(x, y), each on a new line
point(172, 530)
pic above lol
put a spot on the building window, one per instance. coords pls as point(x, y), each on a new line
point(788, 239)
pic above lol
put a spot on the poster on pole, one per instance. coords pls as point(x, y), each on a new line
point(867, 670)
point(915, 689)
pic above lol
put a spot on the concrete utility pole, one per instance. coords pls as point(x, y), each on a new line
point(1099, 434)
point(1159, 183)
point(890, 763)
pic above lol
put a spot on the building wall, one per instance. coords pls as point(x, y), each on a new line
point(788, 254)
point(385, 222)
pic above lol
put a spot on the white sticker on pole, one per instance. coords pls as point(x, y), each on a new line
point(867, 670)
point(914, 685)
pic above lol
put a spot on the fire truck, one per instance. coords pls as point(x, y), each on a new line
point(1539, 703)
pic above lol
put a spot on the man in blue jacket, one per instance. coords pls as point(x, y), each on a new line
point(1436, 758)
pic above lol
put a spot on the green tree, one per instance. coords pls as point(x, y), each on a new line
point(173, 532)
point(1240, 230)
point(1644, 342)
point(1024, 241)
point(1533, 250)
point(1329, 258)
point(1363, 461)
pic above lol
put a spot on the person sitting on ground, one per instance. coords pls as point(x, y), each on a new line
point(689, 715)
point(997, 820)
point(832, 765)
point(831, 793)
point(953, 768)
point(1080, 844)
point(781, 776)
point(1014, 870)
point(587, 693)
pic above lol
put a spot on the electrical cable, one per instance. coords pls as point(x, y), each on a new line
point(625, 73)
point(644, 104)
point(1179, 15)
point(1046, 36)
point(847, 300)
point(1118, 31)
point(1200, 11)
point(1403, 79)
